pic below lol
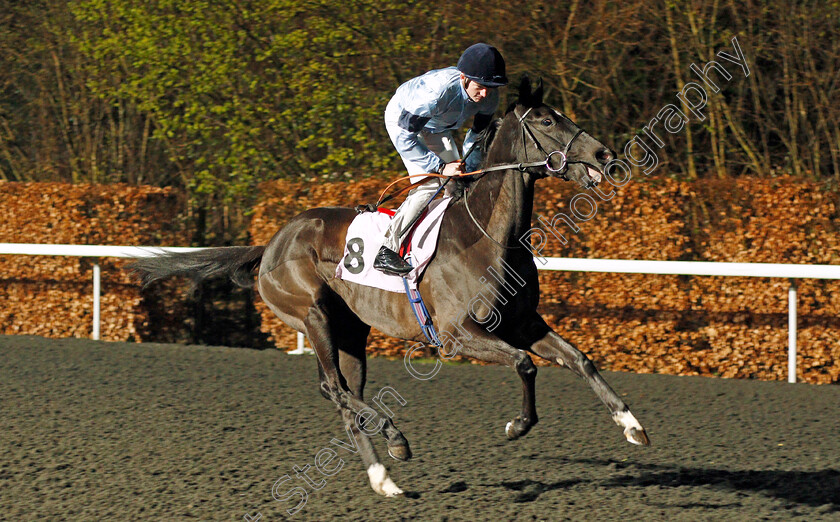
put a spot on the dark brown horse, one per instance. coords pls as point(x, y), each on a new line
point(481, 289)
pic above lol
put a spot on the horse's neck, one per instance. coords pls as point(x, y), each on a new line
point(506, 198)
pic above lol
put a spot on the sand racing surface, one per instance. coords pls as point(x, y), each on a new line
point(113, 431)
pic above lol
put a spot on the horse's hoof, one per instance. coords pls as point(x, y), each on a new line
point(401, 453)
point(516, 428)
point(637, 436)
point(633, 431)
point(381, 482)
point(509, 431)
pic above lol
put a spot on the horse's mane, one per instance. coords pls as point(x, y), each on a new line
point(483, 142)
point(485, 138)
point(529, 97)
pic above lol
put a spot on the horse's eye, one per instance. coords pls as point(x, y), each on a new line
point(547, 122)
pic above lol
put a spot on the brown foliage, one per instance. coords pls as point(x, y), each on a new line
point(728, 327)
point(52, 296)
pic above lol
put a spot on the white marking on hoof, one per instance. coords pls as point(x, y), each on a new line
point(381, 482)
point(626, 420)
point(508, 426)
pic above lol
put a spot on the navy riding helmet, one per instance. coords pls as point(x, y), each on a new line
point(484, 64)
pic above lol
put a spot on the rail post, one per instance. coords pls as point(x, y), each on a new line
point(96, 293)
point(792, 331)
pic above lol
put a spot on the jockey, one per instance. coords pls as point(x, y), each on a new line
point(420, 119)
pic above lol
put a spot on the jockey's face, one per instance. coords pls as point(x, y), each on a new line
point(475, 91)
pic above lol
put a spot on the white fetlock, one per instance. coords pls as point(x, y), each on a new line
point(631, 426)
point(381, 482)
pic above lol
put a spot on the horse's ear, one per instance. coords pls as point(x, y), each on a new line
point(537, 94)
point(525, 90)
point(528, 96)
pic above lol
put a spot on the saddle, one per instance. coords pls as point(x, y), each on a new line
point(405, 245)
point(365, 237)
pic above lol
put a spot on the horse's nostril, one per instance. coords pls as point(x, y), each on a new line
point(604, 155)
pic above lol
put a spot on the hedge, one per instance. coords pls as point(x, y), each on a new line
point(52, 296)
point(728, 327)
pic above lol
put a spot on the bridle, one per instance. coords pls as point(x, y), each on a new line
point(522, 167)
point(526, 130)
point(564, 154)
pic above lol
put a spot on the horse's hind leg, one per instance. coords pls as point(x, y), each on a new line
point(556, 349)
point(342, 370)
point(353, 368)
point(352, 372)
point(377, 474)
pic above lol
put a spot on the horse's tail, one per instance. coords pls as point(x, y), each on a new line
point(238, 263)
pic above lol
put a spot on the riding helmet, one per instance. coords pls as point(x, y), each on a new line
point(484, 64)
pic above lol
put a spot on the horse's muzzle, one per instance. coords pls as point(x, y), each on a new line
point(594, 175)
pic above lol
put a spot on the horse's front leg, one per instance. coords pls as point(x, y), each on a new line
point(494, 350)
point(555, 348)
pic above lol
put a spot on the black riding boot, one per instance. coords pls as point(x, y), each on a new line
point(390, 262)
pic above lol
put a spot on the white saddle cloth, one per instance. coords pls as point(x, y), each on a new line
point(365, 237)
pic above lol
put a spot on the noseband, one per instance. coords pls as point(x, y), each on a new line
point(561, 171)
point(564, 154)
point(522, 167)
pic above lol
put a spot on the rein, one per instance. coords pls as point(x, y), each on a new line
point(521, 167)
point(564, 154)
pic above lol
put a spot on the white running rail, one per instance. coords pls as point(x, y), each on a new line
point(624, 266)
point(705, 268)
point(88, 251)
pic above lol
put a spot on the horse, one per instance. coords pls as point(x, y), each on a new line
point(480, 234)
